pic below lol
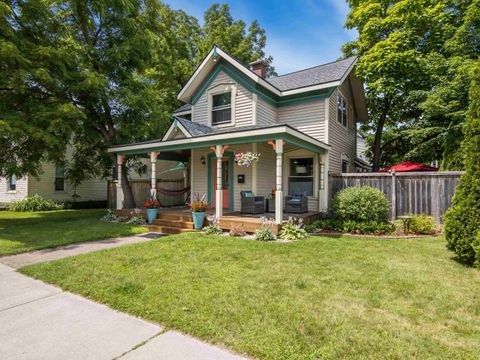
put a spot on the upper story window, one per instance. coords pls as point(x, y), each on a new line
point(222, 108)
point(59, 178)
point(12, 183)
point(342, 110)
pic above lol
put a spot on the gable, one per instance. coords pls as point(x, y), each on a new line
point(176, 131)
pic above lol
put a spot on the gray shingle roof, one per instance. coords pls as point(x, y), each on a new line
point(195, 129)
point(183, 108)
point(314, 76)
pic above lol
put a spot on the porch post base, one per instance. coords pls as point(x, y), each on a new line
point(218, 204)
point(278, 207)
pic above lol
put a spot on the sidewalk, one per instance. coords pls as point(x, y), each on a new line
point(40, 321)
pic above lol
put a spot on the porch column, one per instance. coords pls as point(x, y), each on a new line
point(279, 182)
point(120, 197)
point(153, 161)
point(323, 182)
point(218, 191)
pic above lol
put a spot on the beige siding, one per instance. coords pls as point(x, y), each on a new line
point(12, 196)
point(341, 138)
point(243, 103)
point(266, 168)
point(308, 118)
point(266, 113)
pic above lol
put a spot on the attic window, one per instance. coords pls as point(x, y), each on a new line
point(222, 108)
point(341, 110)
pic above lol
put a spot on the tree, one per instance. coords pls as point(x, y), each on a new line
point(462, 220)
point(395, 40)
point(232, 36)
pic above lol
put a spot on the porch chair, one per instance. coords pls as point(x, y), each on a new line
point(251, 204)
point(296, 203)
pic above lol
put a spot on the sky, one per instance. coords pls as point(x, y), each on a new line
point(300, 34)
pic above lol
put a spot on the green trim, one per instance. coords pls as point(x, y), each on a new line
point(243, 140)
point(231, 156)
point(253, 87)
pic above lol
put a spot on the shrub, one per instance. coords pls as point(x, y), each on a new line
point(265, 233)
point(462, 220)
point(109, 216)
point(35, 203)
point(213, 228)
point(237, 230)
point(293, 230)
point(136, 220)
point(423, 224)
point(354, 227)
point(361, 204)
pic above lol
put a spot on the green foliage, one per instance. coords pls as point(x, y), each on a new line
point(110, 216)
point(361, 204)
point(423, 224)
point(212, 229)
point(35, 203)
point(351, 226)
point(462, 220)
point(136, 220)
point(292, 230)
point(264, 233)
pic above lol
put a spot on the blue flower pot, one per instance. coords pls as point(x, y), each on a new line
point(151, 215)
point(198, 219)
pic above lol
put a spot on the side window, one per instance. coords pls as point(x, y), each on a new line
point(59, 178)
point(12, 183)
point(222, 108)
point(342, 110)
point(344, 166)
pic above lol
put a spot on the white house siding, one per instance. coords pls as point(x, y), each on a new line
point(266, 168)
point(12, 196)
point(342, 139)
point(200, 173)
point(308, 118)
point(266, 113)
point(243, 103)
point(93, 189)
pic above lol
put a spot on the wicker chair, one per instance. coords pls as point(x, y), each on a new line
point(297, 203)
point(252, 204)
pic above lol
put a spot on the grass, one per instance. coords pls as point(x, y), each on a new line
point(27, 231)
point(325, 298)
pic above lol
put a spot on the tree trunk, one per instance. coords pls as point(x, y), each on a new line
point(128, 199)
point(377, 143)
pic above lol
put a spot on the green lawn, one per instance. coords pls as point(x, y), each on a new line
point(26, 231)
point(325, 298)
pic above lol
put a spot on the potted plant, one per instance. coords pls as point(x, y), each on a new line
point(247, 158)
point(199, 207)
point(152, 206)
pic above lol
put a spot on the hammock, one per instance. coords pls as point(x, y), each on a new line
point(173, 192)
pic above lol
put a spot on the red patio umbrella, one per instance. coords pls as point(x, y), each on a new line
point(408, 166)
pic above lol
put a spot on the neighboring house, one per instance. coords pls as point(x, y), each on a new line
point(361, 162)
point(302, 124)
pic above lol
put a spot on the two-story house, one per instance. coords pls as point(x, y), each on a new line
point(302, 124)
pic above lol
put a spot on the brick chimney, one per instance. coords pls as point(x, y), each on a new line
point(259, 67)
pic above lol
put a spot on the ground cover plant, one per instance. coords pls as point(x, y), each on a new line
point(319, 298)
point(26, 231)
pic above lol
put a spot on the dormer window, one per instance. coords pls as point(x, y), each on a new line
point(342, 110)
point(222, 108)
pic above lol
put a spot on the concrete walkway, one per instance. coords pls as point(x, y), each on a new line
point(40, 321)
point(38, 256)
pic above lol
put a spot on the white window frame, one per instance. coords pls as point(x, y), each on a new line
point(340, 121)
point(8, 183)
point(218, 90)
point(55, 180)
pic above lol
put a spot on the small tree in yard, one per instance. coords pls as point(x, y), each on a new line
point(462, 220)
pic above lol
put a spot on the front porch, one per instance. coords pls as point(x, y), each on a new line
point(290, 163)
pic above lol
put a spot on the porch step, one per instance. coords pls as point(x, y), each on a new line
point(174, 217)
point(168, 229)
point(174, 223)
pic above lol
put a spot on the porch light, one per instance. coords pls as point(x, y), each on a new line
point(202, 159)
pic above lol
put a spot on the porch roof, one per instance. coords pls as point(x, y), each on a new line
point(204, 136)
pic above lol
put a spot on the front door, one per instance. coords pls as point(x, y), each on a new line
point(225, 182)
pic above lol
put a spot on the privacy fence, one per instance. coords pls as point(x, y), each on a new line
point(141, 192)
point(409, 193)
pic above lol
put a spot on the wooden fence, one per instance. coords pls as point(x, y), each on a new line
point(141, 192)
point(409, 193)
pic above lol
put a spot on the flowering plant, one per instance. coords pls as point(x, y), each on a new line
point(273, 192)
point(199, 204)
point(152, 203)
point(246, 159)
